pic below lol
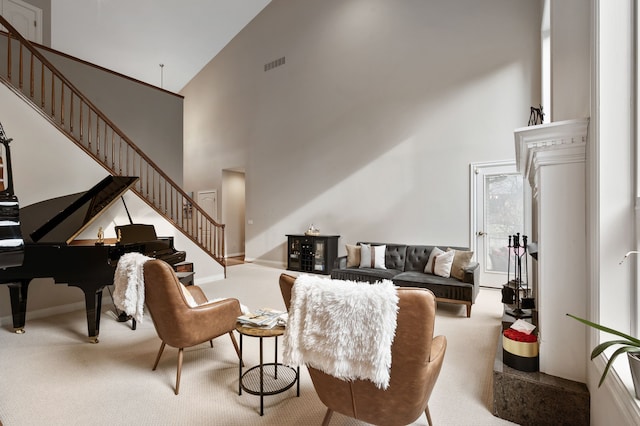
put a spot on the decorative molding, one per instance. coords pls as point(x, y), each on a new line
point(562, 142)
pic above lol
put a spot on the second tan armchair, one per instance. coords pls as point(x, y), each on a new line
point(417, 358)
point(184, 319)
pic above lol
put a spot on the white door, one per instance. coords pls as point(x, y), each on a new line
point(25, 18)
point(498, 212)
point(208, 200)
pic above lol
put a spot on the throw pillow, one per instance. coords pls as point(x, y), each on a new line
point(428, 269)
point(353, 256)
point(372, 256)
point(461, 260)
point(442, 264)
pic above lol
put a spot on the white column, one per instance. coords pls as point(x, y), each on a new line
point(552, 158)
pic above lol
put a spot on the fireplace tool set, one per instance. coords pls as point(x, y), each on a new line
point(516, 292)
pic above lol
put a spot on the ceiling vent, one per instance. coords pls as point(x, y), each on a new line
point(274, 64)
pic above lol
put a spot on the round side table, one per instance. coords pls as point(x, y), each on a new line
point(265, 378)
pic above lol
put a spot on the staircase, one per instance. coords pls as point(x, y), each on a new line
point(32, 77)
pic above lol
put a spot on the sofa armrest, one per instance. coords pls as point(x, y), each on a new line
point(471, 276)
point(471, 273)
point(471, 267)
point(340, 262)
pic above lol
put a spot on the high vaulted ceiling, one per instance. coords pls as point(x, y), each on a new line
point(135, 37)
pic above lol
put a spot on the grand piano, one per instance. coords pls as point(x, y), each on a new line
point(39, 241)
point(50, 251)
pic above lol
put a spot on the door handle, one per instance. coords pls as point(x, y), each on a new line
point(480, 234)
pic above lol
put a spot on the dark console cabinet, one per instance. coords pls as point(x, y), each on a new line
point(312, 253)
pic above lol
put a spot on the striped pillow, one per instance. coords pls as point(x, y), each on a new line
point(440, 262)
point(428, 269)
point(372, 256)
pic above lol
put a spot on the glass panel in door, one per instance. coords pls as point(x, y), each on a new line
point(319, 256)
point(503, 217)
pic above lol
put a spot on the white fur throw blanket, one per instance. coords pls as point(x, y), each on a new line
point(343, 328)
point(129, 284)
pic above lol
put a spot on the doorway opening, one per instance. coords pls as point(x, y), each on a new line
point(233, 212)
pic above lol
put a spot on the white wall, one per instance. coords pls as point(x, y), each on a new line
point(570, 59)
point(369, 128)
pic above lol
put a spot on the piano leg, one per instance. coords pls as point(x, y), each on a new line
point(93, 303)
point(18, 294)
point(98, 311)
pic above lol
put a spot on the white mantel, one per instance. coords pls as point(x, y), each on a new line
point(552, 157)
point(553, 143)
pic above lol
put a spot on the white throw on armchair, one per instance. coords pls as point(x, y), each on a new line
point(417, 358)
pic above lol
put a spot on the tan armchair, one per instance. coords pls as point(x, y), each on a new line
point(416, 362)
point(182, 315)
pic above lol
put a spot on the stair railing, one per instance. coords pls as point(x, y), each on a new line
point(30, 75)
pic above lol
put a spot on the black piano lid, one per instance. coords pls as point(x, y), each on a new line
point(61, 219)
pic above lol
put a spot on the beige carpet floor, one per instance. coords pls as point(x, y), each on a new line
point(51, 376)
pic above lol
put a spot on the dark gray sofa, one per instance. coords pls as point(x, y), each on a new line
point(405, 267)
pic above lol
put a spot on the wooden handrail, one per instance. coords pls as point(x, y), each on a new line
point(60, 100)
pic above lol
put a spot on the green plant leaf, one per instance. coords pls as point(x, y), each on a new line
point(604, 345)
point(629, 344)
point(620, 351)
point(632, 340)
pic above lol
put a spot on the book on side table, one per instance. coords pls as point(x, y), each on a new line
point(264, 318)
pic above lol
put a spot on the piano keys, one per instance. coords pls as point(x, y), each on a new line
point(142, 237)
point(11, 241)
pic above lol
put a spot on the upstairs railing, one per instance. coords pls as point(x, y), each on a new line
point(34, 78)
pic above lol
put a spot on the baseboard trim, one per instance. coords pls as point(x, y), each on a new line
point(228, 255)
point(269, 263)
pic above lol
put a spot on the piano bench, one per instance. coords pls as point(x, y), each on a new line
point(185, 278)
